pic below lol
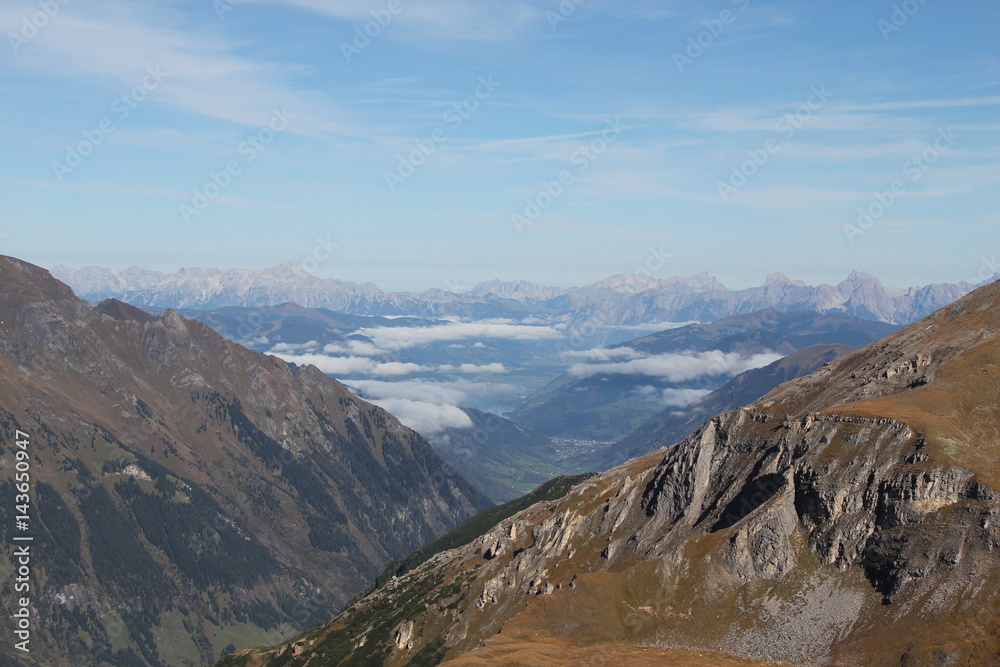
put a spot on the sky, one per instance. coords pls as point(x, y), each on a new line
point(440, 143)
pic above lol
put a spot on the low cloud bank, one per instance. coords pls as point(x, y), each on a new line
point(673, 398)
point(679, 367)
point(426, 406)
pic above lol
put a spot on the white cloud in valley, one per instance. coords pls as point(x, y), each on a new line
point(680, 367)
point(357, 348)
point(672, 397)
point(346, 366)
point(294, 348)
point(427, 406)
point(604, 354)
point(427, 419)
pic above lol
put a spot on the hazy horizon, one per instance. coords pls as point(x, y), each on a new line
point(416, 286)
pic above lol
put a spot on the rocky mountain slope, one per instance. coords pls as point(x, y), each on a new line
point(191, 496)
point(611, 404)
point(627, 299)
point(672, 424)
point(847, 518)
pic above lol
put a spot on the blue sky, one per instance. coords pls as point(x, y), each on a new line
point(591, 138)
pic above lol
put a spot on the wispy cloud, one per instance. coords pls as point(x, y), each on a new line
point(430, 20)
point(203, 73)
point(531, 144)
point(898, 105)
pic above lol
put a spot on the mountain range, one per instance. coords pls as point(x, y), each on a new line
point(189, 495)
point(626, 299)
point(846, 518)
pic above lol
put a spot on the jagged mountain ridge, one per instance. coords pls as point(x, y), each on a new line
point(626, 299)
point(190, 493)
point(848, 517)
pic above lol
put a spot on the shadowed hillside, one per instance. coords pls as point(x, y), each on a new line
point(189, 495)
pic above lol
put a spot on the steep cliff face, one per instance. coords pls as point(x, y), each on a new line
point(191, 495)
point(849, 518)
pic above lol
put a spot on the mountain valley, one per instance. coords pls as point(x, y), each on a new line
point(847, 517)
